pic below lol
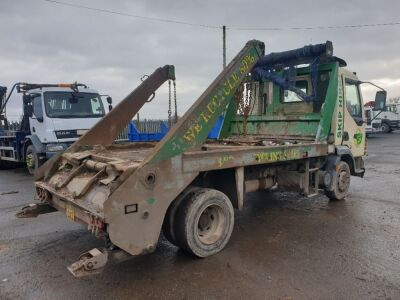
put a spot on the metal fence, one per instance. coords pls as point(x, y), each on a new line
point(144, 126)
point(123, 136)
point(149, 125)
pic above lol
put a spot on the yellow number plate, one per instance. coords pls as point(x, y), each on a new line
point(70, 212)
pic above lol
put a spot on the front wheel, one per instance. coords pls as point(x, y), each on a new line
point(342, 182)
point(385, 128)
point(32, 160)
point(204, 222)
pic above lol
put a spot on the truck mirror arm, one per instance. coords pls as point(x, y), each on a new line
point(380, 97)
point(371, 83)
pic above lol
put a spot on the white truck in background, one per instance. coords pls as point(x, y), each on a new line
point(54, 116)
point(372, 125)
point(390, 117)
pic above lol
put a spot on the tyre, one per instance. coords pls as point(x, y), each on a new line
point(204, 222)
point(385, 128)
point(342, 182)
point(168, 226)
point(32, 160)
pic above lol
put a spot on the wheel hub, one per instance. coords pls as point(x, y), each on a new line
point(30, 161)
point(210, 224)
point(343, 181)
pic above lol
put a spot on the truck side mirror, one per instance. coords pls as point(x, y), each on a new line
point(109, 101)
point(28, 110)
point(380, 100)
point(27, 99)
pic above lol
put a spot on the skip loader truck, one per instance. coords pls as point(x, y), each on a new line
point(292, 120)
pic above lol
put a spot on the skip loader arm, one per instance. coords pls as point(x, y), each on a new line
point(107, 129)
point(192, 129)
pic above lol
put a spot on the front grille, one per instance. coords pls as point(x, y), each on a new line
point(66, 134)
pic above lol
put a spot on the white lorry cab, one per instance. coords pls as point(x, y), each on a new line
point(372, 125)
point(54, 116)
point(390, 117)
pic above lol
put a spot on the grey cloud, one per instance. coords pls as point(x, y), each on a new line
point(44, 42)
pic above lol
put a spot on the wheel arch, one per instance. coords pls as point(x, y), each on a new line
point(35, 142)
point(221, 180)
point(345, 155)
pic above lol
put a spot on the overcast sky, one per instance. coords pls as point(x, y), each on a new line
point(43, 42)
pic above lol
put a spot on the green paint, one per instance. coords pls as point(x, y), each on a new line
point(151, 201)
point(358, 137)
point(226, 125)
point(339, 117)
point(290, 119)
point(281, 154)
point(277, 155)
point(329, 105)
point(280, 128)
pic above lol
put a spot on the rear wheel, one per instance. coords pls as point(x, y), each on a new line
point(168, 227)
point(32, 160)
point(342, 183)
point(204, 222)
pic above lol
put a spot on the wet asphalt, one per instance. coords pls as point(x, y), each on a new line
point(283, 247)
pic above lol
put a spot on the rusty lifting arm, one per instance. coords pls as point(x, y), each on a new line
point(107, 129)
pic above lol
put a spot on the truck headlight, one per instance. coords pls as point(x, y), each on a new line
point(55, 147)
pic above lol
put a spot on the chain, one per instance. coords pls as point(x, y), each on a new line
point(175, 104)
point(237, 100)
point(244, 104)
point(246, 107)
point(169, 105)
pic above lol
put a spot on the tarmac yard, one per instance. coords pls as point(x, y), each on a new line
point(283, 247)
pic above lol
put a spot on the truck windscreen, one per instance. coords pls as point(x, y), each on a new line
point(73, 105)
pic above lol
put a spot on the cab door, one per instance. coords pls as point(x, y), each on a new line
point(353, 124)
point(37, 121)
